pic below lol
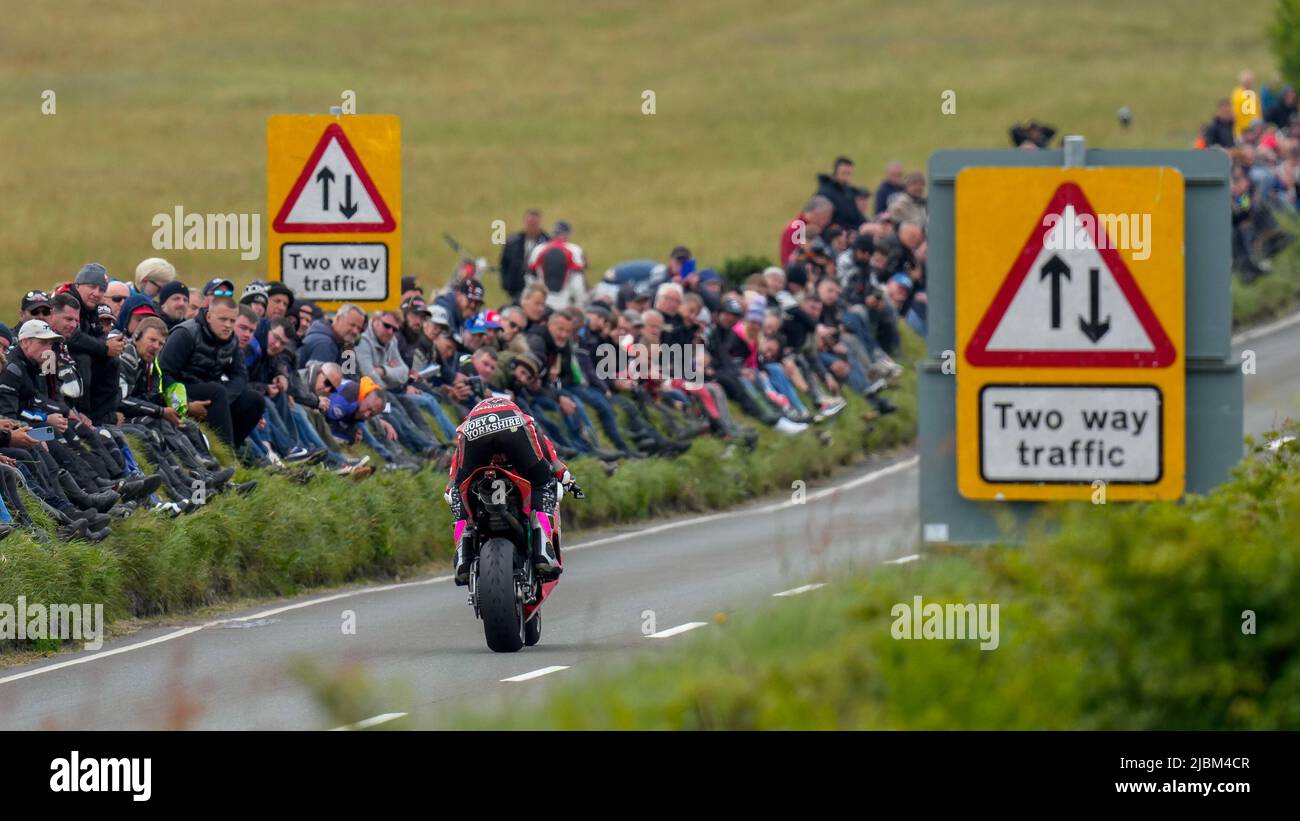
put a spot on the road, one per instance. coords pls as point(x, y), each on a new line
point(419, 641)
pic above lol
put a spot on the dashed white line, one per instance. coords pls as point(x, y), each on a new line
point(369, 722)
point(904, 559)
point(545, 671)
point(797, 590)
point(679, 629)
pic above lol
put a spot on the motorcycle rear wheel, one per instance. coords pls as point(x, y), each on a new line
point(500, 607)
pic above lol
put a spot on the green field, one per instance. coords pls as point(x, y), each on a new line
point(531, 104)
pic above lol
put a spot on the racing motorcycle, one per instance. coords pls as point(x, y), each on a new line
point(503, 587)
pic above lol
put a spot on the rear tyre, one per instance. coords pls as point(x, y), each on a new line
point(502, 612)
point(533, 629)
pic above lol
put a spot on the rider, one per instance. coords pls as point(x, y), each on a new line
point(496, 431)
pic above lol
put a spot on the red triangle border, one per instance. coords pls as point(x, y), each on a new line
point(977, 352)
point(387, 223)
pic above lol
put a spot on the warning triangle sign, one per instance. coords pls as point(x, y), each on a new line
point(1069, 300)
point(334, 193)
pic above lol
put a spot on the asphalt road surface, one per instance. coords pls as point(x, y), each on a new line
point(420, 642)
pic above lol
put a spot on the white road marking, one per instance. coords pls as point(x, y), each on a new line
point(904, 559)
point(673, 631)
point(1267, 330)
point(369, 722)
point(797, 590)
point(713, 517)
point(185, 631)
point(545, 671)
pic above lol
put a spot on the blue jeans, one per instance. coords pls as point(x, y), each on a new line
point(597, 400)
point(379, 447)
point(782, 384)
point(283, 436)
point(424, 401)
point(573, 423)
point(410, 436)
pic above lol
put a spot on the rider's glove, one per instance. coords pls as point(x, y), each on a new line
point(570, 485)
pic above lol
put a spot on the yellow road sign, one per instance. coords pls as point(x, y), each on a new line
point(1070, 332)
point(334, 186)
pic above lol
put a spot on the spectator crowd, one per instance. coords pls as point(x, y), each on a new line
point(104, 376)
point(1260, 131)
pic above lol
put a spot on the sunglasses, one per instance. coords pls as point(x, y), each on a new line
point(223, 292)
point(515, 325)
point(117, 298)
point(41, 311)
point(330, 384)
point(390, 326)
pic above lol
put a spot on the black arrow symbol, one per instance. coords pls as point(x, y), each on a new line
point(347, 207)
point(1093, 328)
point(1056, 269)
point(325, 177)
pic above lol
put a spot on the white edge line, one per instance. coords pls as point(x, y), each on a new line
point(545, 671)
point(185, 631)
point(679, 629)
point(903, 559)
point(369, 722)
point(1266, 330)
point(795, 591)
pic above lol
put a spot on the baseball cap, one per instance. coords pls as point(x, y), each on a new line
point(529, 360)
point(902, 279)
point(599, 310)
point(491, 319)
point(35, 299)
point(757, 309)
point(438, 314)
point(475, 325)
point(680, 252)
point(92, 273)
point(709, 275)
point(37, 329)
point(633, 317)
point(731, 306)
point(219, 284)
point(104, 312)
point(472, 289)
point(414, 303)
point(561, 227)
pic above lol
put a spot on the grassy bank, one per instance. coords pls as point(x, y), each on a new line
point(1272, 295)
point(1128, 617)
point(286, 537)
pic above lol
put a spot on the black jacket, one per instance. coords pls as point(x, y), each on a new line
point(192, 354)
point(141, 385)
point(847, 215)
point(24, 388)
point(514, 261)
point(1219, 132)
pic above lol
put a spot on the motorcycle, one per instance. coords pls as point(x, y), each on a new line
point(503, 587)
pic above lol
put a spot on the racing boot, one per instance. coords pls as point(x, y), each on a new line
point(545, 560)
point(463, 557)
